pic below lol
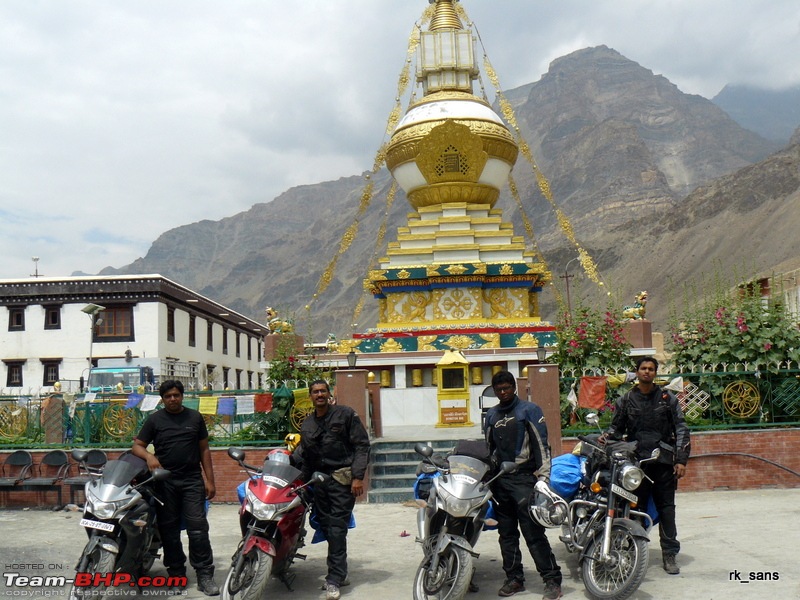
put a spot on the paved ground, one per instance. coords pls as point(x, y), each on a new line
point(728, 538)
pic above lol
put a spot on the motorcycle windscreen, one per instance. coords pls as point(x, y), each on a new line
point(278, 475)
point(119, 473)
point(465, 475)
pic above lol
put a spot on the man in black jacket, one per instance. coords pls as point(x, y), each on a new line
point(652, 417)
point(516, 431)
point(333, 441)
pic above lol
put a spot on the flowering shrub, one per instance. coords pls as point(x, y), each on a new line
point(591, 339)
point(736, 327)
point(287, 365)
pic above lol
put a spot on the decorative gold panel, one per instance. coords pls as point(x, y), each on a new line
point(527, 341)
point(456, 269)
point(443, 193)
point(390, 345)
point(425, 343)
point(505, 303)
point(492, 340)
point(432, 271)
point(382, 310)
point(455, 304)
point(451, 152)
point(459, 342)
point(415, 307)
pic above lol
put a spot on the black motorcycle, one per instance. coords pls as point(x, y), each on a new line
point(602, 522)
point(120, 519)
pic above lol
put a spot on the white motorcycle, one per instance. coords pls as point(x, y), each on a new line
point(450, 522)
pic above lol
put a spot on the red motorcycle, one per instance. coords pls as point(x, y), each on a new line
point(272, 518)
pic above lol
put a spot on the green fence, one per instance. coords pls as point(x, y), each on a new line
point(711, 396)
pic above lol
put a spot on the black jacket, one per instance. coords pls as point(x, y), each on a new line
point(517, 432)
point(336, 440)
point(653, 420)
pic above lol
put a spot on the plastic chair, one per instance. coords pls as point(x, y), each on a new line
point(16, 468)
point(96, 459)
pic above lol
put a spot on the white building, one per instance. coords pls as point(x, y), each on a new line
point(48, 334)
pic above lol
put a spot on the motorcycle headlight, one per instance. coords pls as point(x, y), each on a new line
point(101, 509)
point(631, 477)
point(264, 511)
point(458, 507)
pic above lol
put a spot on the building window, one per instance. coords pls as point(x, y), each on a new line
point(16, 318)
point(225, 374)
point(14, 374)
point(260, 375)
point(50, 371)
point(115, 323)
point(239, 379)
point(238, 343)
point(170, 324)
point(249, 348)
point(209, 336)
point(52, 317)
point(224, 340)
point(192, 334)
point(249, 380)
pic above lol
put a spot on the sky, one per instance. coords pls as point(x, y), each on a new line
point(123, 119)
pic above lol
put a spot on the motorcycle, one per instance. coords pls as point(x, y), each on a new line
point(120, 519)
point(450, 523)
point(272, 520)
point(601, 522)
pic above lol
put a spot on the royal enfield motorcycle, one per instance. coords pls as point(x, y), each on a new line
point(120, 519)
point(602, 522)
point(450, 522)
point(272, 519)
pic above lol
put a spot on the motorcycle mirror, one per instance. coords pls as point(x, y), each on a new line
point(236, 454)
point(161, 474)
point(79, 455)
point(423, 449)
point(508, 466)
point(656, 453)
point(592, 419)
point(317, 477)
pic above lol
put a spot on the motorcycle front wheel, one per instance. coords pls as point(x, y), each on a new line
point(621, 576)
point(251, 580)
point(450, 579)
point(99, 561)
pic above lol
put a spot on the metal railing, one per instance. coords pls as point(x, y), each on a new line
point(112, 420)
point(721, 396)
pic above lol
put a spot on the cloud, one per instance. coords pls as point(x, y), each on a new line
point(131, 118)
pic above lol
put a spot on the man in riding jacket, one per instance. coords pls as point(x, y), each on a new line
point(651, 416)
point(516, 431)
point(333, 441)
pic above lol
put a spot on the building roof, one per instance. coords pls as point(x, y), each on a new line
point(121, 289)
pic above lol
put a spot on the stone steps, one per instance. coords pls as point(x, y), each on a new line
point(393, 467)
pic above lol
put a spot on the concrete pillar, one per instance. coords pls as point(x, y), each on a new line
point(639, 333)
point(543, 390)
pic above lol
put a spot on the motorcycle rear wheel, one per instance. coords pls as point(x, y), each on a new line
point(251, 581)
point(451, 579)
point(100, 561)
point(620, 579)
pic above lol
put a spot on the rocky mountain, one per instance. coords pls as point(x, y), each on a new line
point(636, 165)
point(773, 114)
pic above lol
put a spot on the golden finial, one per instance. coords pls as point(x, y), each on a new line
point(445, 16)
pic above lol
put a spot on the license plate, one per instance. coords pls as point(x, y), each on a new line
point(97, 525)
point(624, 493)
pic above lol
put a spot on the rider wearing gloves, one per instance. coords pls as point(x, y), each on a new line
point(516, 431)
point(652, 417)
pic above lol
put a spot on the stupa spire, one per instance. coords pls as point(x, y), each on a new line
point(445, 16)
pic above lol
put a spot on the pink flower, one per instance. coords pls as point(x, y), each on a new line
point(767, 346)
